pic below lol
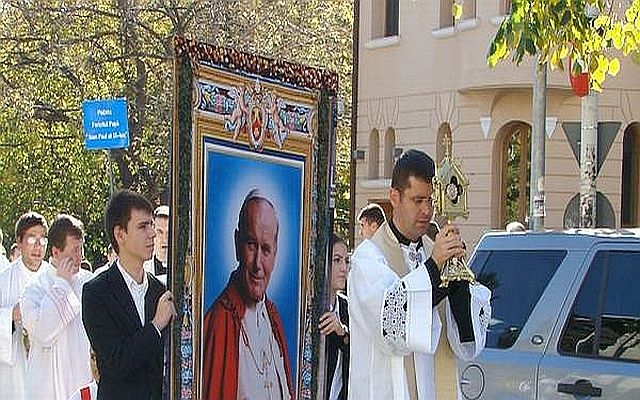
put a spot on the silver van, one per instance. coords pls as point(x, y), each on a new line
point(565, 316)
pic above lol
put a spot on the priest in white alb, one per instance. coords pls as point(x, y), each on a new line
point(31, 237)
point(395, 298)
point(59, 361)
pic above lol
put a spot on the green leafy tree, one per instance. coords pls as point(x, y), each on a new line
point(54, 55)
point(586, 31)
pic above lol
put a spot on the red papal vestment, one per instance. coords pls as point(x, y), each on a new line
point(221, 339)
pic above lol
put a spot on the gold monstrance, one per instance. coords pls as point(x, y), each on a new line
point(450, 189)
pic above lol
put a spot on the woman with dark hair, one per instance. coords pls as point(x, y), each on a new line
point(334, 324)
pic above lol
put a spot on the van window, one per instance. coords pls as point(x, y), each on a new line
point(517, 279)
point(605, 317)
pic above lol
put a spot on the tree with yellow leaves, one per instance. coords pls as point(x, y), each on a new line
point(585, 31)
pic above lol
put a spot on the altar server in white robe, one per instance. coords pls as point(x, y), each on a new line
point(31, 237)
point(395, 296)
point(4, 261)
point(59, 360)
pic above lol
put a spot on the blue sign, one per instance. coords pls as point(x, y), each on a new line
point(105, 124)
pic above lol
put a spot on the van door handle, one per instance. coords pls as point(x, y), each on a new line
point(581, 387)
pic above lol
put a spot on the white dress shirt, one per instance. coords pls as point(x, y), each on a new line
point(137, 290)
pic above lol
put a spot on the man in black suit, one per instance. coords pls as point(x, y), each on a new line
point(125, 309)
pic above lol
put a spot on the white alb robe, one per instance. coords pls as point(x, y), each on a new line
point(392, 316)
point(13, 356)
point(59, 358)
point(261, 372)
point(4, 263)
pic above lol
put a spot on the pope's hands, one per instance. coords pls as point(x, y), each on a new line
point(165, 311)
point(448, 244)
point(329, 322)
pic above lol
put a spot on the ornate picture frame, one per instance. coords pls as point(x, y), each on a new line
point(243, 122)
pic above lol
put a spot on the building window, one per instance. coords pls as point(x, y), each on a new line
point(604, 322)
point(630, 176)
point(374, 154)
point(468, 9)
point(446, 13)
point(506, 7)
point(392, 14)
point(516, 170)
point(385, 15)
point(389, 151)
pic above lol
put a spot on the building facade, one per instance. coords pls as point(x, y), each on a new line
point(424, 76)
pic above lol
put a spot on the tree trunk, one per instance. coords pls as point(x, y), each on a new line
point(539, 116)
point(588, 166)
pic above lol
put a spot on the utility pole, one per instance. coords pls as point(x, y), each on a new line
point(355, 57)
point(588, 150)
point(539, 117)
point(588, 159)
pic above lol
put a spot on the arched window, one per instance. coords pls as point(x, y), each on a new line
point(630, 202)
point(515, 172)
point(389, 151)
point(374, 154)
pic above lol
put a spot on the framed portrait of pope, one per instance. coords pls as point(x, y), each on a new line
point(250, 168)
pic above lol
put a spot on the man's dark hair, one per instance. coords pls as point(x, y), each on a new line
point(372, 212)
point(335, 238)
point(412, 163)
point(62, 226)
point(29, 220)
point(118, 212)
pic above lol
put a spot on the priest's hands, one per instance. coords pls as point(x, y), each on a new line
point(448, 244)
point(165, 311)
point(329, 322)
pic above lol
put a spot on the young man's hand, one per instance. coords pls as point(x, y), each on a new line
point(165, 311)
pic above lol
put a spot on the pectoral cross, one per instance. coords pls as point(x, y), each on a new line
point(268, 384)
